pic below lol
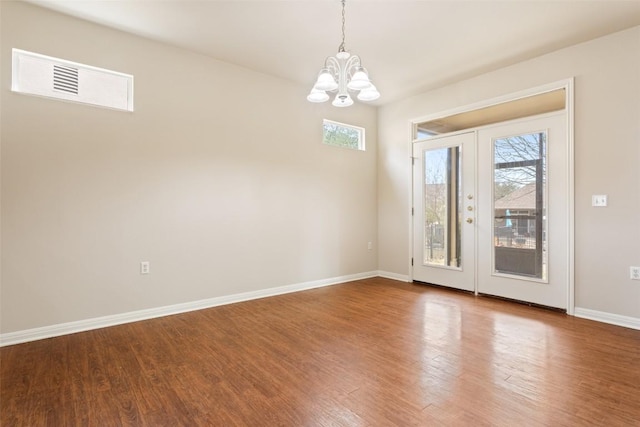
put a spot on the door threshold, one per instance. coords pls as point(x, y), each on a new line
point(517, 301)
point(449, 288)
point(530, 304)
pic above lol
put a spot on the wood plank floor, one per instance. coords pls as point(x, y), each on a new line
point(374, 352)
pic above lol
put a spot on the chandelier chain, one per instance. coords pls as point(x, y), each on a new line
point(341, 47)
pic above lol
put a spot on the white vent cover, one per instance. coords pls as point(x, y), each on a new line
point(65, 79)
point(36, 74)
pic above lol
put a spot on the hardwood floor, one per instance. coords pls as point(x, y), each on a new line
point(374, 352)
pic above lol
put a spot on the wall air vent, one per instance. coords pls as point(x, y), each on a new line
point(40, 75)
point(65, 79)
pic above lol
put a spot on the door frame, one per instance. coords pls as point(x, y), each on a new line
point(568, 86)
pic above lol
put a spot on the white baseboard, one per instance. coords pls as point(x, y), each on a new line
point(614, 319)
point(19, 337)
point(394, 276)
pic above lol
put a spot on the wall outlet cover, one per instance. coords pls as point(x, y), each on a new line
point(599, 200)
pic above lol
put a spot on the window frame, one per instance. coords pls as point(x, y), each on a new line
point(360, 131)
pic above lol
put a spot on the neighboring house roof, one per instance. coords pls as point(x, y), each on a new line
point(522, 198)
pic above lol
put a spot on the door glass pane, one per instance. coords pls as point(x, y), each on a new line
point(519, 205)
point(442, 205)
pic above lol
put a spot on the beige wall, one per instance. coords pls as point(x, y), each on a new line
point(219, 179)
point(607, 159)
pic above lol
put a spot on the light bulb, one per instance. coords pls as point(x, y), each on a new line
point(342, 100)
point(359, 80)
point(317, 96)
point(369, 94)
point(325, 81)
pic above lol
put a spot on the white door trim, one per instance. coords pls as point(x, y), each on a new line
point(568, 85)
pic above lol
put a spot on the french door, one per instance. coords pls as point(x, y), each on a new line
point(491, 210)
point(444, 211)
point(523, 214)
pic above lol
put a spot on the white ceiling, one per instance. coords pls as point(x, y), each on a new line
point(407, 46)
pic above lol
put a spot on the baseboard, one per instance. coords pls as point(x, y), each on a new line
point(614, 319)
point(19, 337)
point(394, 276)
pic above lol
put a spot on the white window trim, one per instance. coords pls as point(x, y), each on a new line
point(360, 130)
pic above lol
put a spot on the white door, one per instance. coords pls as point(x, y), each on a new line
point(511, 239)
point(444, 211)
point(523, 211)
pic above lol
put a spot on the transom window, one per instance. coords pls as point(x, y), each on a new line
point(342, 135)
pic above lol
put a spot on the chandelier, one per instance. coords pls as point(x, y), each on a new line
point(343, 73)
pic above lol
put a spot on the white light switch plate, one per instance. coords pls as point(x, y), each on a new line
point(599, 200)
point(144, 267)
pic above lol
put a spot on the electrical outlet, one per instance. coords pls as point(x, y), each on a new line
point(599, 200)
point(635, 273)
point(144, 267)
point(369, 245)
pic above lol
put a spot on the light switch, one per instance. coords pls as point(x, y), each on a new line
point(144, 267)
point(599, 200)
